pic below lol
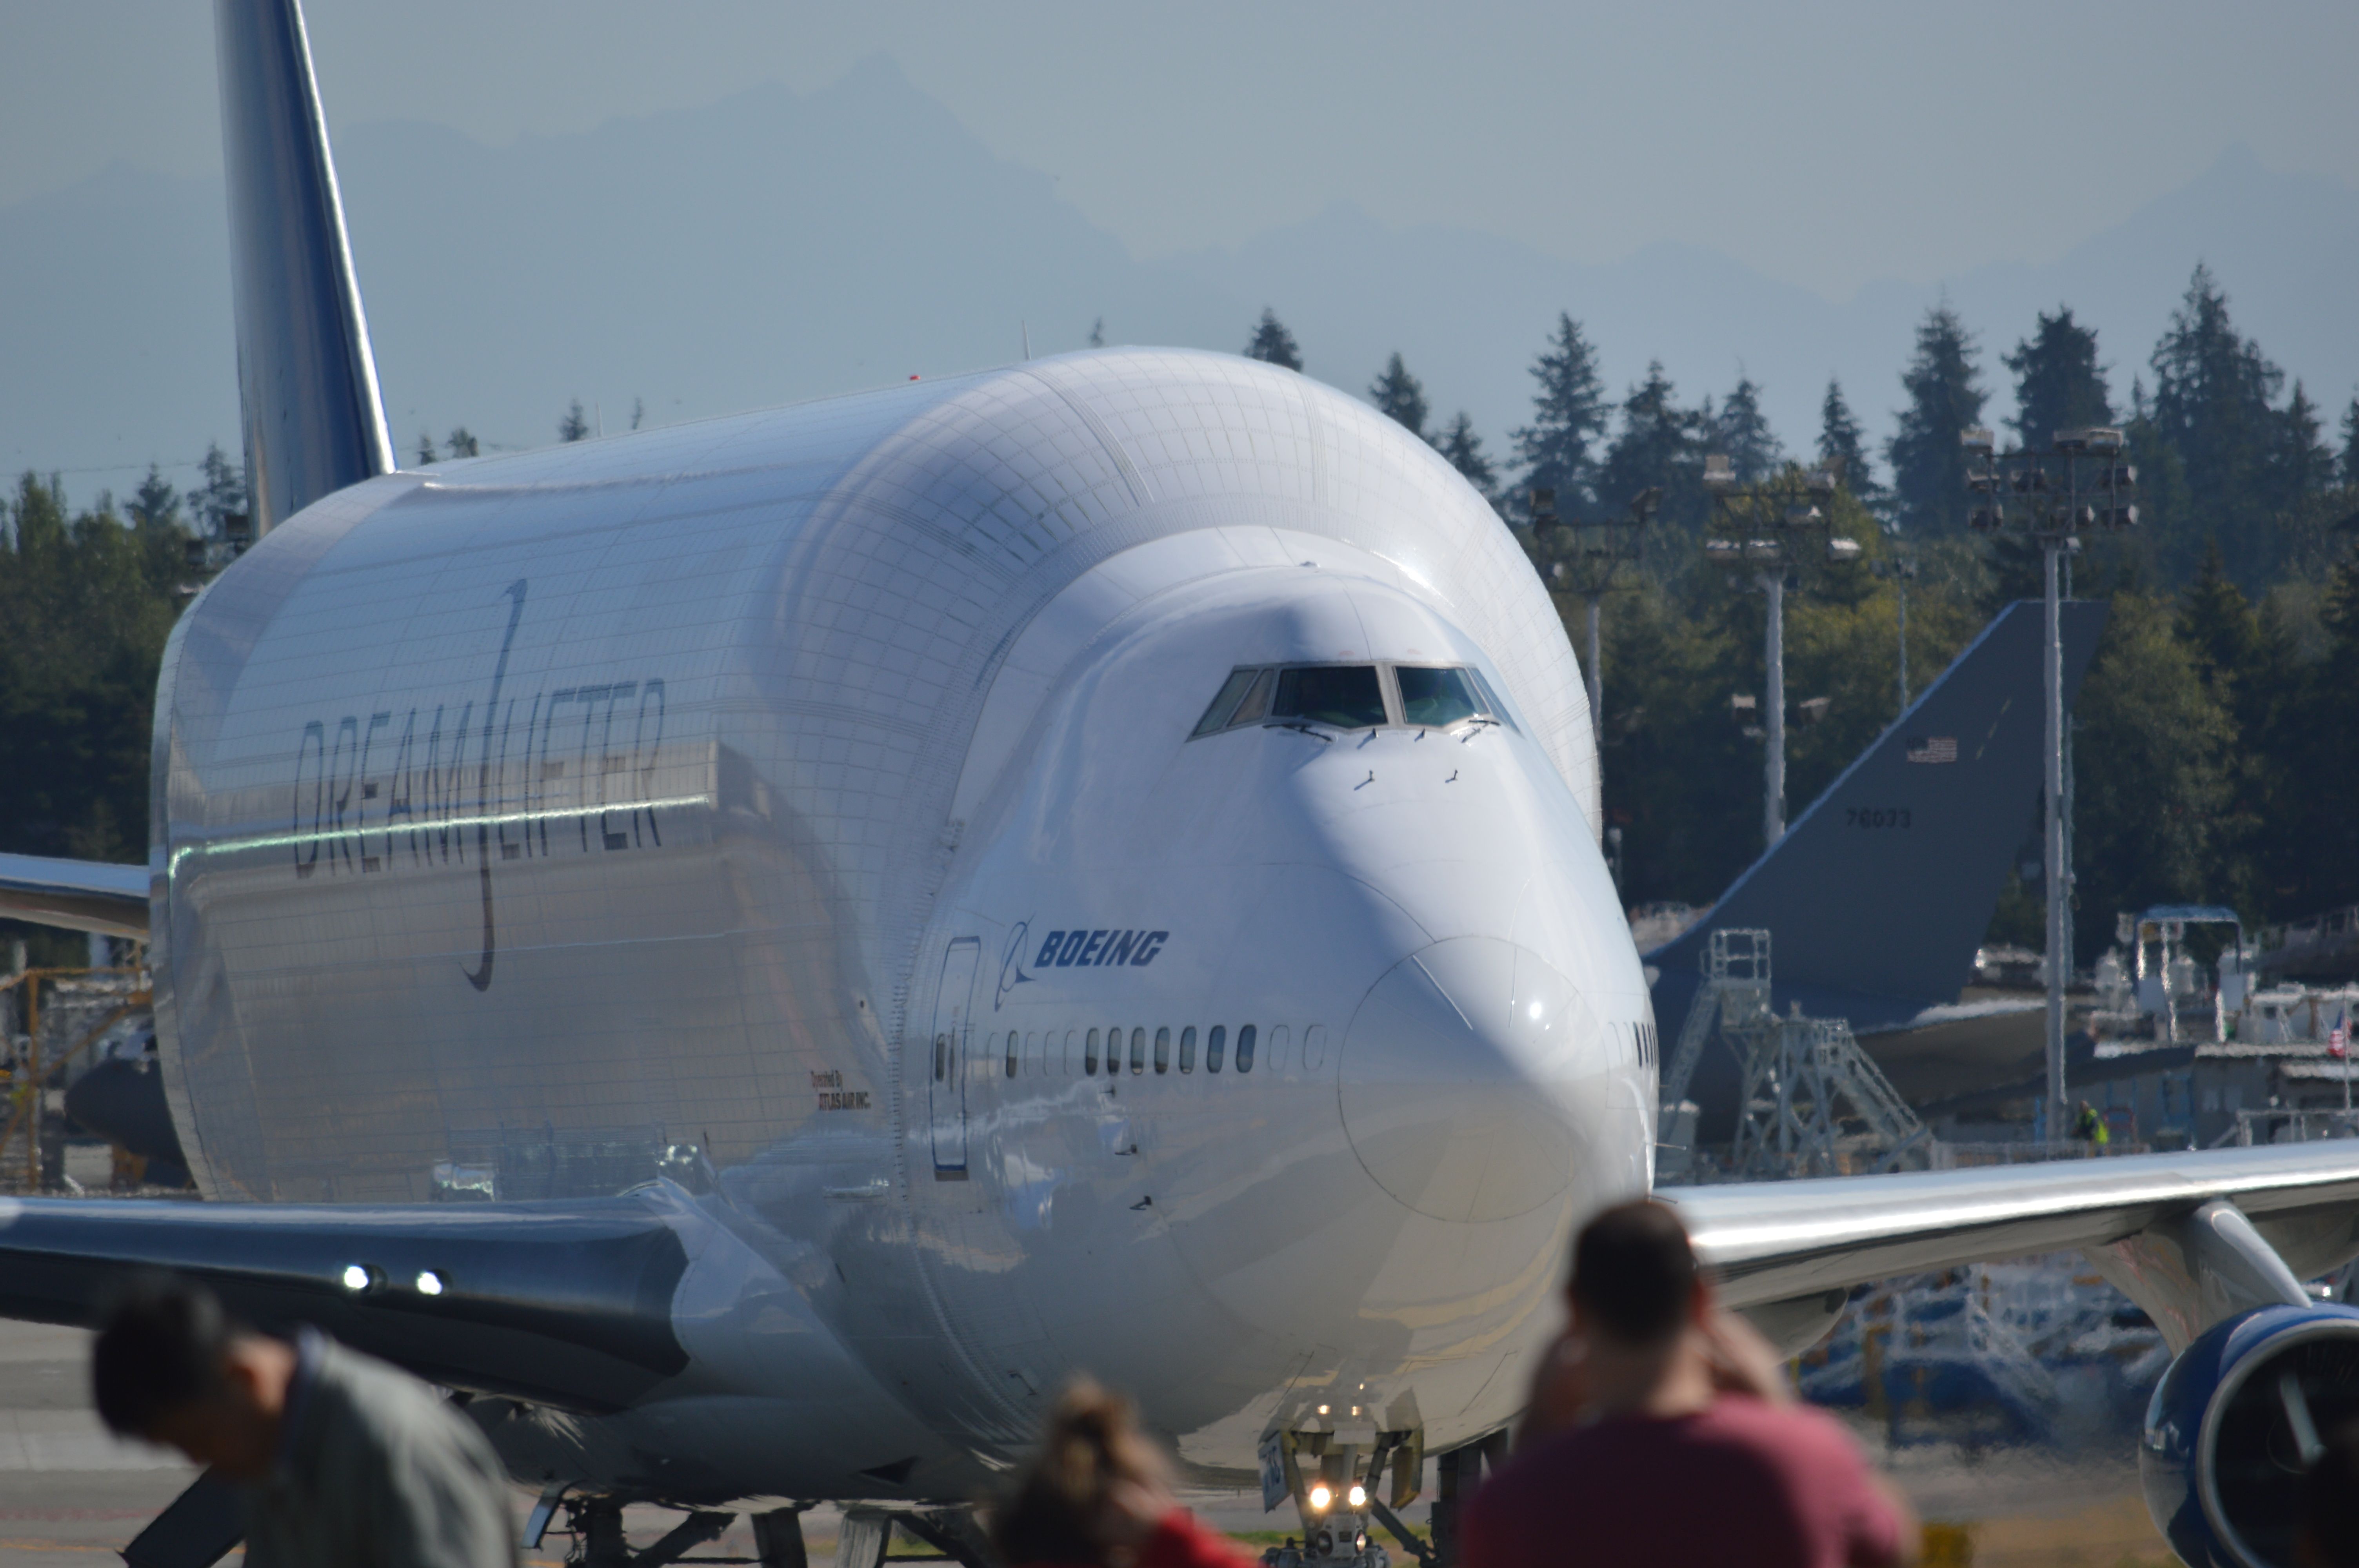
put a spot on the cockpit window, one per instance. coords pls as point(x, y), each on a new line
point(1352, 696)
point(1349, 696)
point(1491, 703)
point(1217, 716)
point(1437, 697)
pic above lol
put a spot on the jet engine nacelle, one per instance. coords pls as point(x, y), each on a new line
point(2234, 1425)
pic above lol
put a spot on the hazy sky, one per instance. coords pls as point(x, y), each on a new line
point(1825, 145)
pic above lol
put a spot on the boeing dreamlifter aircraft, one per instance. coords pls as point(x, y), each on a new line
point(755, 949)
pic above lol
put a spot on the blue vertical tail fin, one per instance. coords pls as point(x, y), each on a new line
point(306, 377)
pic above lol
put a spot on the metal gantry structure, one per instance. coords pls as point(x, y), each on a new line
point(2079, 482)
point(1811, 1102)
point(1762, 516)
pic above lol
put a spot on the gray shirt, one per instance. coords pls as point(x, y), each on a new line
point(376, 1471)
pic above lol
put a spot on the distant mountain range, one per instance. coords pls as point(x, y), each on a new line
point(774, 247)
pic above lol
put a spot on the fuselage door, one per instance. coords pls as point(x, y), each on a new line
point(953, 1038)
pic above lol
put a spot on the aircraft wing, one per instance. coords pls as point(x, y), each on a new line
point(81, 895)
point(1780, 1243)
point(567, 1303)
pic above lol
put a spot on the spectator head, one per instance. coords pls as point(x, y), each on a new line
point(1635, 1278)
point(170, 1366)
point(2330, 1505)
point(1059, 1510)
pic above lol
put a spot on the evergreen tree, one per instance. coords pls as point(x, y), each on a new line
point(1945, 399)
point(2058, 383)
point(1557, 450)
point(1660, 445)
point(88, 602)
point(638, 412)
point(1463, 448)
point(1399, 397)
point(2349, 461)
point(221, 493)
point(462, 442)
point(1743, 432)
point(1097, 335)
point(2216, 623)
point(2214, 392)
point(424, 448)
point(155, 504)
point(2151, 749)
point(575, 426)
point(1272, 344)
point(2318, 828)
point(2303, 463)
point(1842, 444)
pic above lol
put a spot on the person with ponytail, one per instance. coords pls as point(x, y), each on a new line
point(1099, 1495)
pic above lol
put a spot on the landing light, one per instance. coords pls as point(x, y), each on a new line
point(1357, 1496)
point(1320, 1498)
point(429, 1283)
point(356, 1278)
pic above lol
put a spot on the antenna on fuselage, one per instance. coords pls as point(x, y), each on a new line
point(314, 419)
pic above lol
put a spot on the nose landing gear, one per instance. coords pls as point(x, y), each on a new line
point(1334, 1491)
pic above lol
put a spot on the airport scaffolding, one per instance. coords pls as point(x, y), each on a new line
point(54, 1022)
point(1812, 1103)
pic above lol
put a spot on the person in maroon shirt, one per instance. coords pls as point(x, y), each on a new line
point(1660, 1432)
point(1098, 1495)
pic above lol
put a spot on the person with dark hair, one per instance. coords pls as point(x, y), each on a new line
point(342, 1459)
point(1098, 1495)
point(1661, 1431)
point(2330, 1505)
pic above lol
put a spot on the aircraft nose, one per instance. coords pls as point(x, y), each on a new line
point(1459, 1081)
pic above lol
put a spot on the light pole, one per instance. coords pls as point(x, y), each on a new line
point(1763, 512)
point(1592, 556)
point(1902, 570)
point(2087, 464)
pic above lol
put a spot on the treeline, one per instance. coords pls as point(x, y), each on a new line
point(2216, 738)
point(87, 600)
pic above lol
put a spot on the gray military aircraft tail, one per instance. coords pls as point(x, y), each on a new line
point(1878, 895)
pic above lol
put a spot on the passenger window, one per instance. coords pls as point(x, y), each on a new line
point(1163, 1050)
point(1245, 1049)
point(1013, 1040)
point(1089, 1053)
point(1114, 1051)
point(1314, 1045)
point(1224, 703)
point(1213, 1043)
point(1065, 1057)
point(1435, 698)
point(941, 1056)
point(1346, 695)
point(1138, 1050)
point(1279, 1038)
point(1255, 706)
point(1188, 1049)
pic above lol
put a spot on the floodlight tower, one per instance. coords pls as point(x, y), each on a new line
point(1902, 570)
point(2079, 482)
point(1763, 512)
point(1596, 551)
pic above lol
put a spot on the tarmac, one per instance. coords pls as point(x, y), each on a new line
point(72, 1495)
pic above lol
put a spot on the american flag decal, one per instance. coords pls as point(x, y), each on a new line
point(1932, 748)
